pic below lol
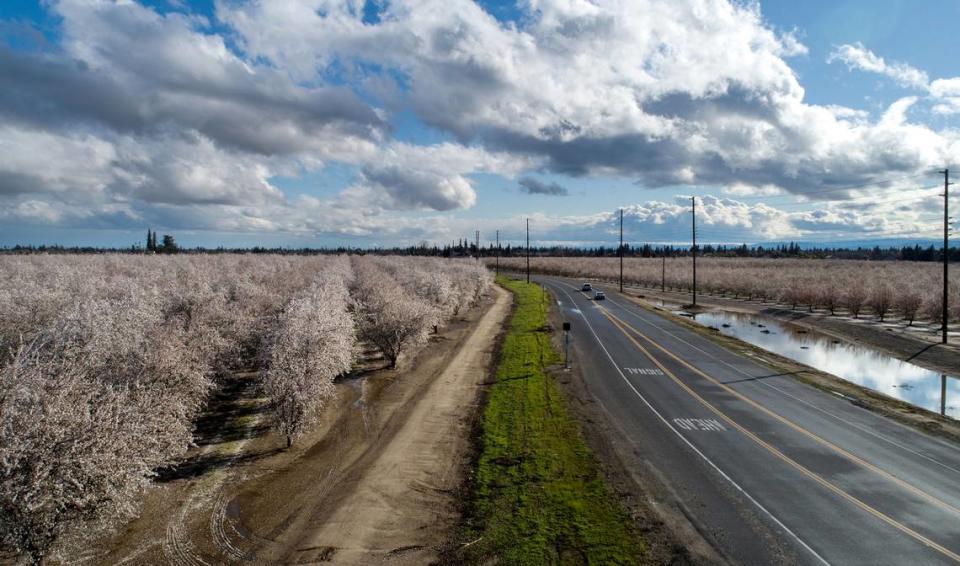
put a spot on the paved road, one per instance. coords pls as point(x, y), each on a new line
point(768, 469)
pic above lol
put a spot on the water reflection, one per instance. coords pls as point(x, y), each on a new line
point(863, 366)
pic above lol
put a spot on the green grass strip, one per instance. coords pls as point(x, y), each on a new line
point(538, 495)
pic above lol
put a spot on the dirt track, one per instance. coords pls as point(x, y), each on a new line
point(373, 483)
point(400, 504)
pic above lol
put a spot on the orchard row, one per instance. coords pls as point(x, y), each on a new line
point(106, 362)
point(908, 290)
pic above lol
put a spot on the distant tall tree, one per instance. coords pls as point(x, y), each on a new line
point(169, 245)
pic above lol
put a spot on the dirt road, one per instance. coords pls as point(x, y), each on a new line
point(401, 503)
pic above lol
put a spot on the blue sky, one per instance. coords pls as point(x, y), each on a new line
point(318, 123)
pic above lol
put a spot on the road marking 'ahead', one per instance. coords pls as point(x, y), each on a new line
point(643, 371)
point(700, 424)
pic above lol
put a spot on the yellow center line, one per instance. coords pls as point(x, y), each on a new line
point(819, 439)
point(776, 452)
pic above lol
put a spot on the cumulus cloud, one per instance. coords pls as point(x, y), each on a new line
point(533, 186)
point(730, 221)
point(128, 68)
point(135, 105)
point(136, 114)
point(409, 177)
point(669, 92)
point(85, 169)
point(943, 93)
point(946, 92)
point(856, 56)
point(407, 189)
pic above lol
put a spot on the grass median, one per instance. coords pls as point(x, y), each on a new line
point(538, 495)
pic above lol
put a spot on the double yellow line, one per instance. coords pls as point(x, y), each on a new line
point(623, 326)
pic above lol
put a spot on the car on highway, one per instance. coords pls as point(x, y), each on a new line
point(586, 287)
point(599, 296)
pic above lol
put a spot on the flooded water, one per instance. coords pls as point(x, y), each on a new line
point(863, 366)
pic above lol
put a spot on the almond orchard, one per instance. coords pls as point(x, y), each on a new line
point(106, 362)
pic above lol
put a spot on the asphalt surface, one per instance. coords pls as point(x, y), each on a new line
point(768, 470)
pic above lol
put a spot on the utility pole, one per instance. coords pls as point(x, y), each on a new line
point(528, 250)
point(478, 245)
point(663, 272)
point(498, 254)
point(621, 250)
point(946, 248)
point(693, 200)
point(943, 394)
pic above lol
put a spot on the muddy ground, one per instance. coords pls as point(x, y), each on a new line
point(374, 482)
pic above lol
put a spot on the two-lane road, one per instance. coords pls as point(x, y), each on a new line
point(768, 469)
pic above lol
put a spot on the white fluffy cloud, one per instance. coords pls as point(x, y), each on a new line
point(170, 118)
point(82, 168)
point(670, 92)
point(730, 221)
point(947, 94)
point(856, 56)
point(150, 109)
point(943, 93)
point(410, 177)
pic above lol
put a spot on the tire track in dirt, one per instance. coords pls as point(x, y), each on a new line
point(240, 498)
point(210, 494)
point(402, 499)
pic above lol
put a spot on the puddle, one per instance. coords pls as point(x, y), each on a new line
point(666, 305)
point(863, 366)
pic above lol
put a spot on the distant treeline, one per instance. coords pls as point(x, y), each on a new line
point(467, 249)
point(792, 250)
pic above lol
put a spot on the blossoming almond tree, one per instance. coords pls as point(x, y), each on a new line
point(107, 361)
point(778, 279)
point(76, 446)
point(389, 315)
point(312, 343)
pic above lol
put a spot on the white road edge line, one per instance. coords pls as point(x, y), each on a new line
point(906, 428)
point(807, 403)
point(688, 443)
